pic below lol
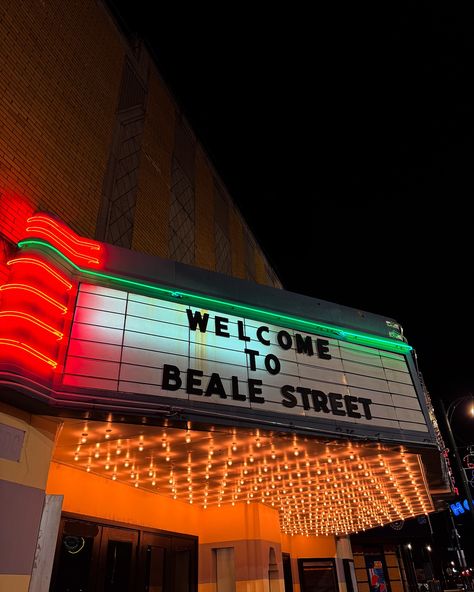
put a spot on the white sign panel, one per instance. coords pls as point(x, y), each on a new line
point(125, 342)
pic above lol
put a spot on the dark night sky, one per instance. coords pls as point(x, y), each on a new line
point(352, 132)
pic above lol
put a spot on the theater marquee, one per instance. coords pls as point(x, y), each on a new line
point(127, 330)
point(126, 342)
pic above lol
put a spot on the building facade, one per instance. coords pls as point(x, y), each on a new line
point(171, 419)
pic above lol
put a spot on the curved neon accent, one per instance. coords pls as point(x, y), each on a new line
point(39, 263)
point(28, 349)
point(37, 292)
point(330, 330)
point(45, 231)
point(27, 317)
point(67, 232)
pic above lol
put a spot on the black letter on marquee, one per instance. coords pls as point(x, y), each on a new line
point(284, 339)
point(304, 345)
point(221, 327)
point(320, 401)
point(235, 390)
point(193, 380)
point(215, 386)
point(304, 396)
point(260, 337)
point(195, 319)
point(287, 391)
point(272, 358)
point(323, 349)
point(335, 400)
point(240, 327)
point(254, 390)
point(252, 355)
point(171, 373)
point(365, 405)
point(351, 406)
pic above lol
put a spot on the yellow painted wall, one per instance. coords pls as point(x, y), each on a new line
point(241, 522)
point(95, 496)
point(32, 470)
point(301, 546)
point(12, 583)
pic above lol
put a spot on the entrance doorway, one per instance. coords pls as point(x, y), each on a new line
point(95, 557)
point(287, 575)
point(317, 575)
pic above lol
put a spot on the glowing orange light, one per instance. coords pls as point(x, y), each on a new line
point(28, 349)
point(32, 319)
point(43, 265)
point(338, 501)
point(37, 292)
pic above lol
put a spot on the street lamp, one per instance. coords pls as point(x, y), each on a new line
point(448, 415)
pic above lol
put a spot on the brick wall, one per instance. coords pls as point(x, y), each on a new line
point(151, 216)
point(61, 65)
point(61, 95)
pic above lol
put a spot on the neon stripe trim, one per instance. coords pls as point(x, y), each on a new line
point(67, 232)
point(39, 263)
point(27, 317)
point(329, 330)
point(38, 230)
point(28, 349)
point(37, 292)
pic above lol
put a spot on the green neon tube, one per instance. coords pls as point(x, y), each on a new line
point(259, 314)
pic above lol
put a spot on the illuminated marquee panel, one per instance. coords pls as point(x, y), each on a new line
point(124, 342)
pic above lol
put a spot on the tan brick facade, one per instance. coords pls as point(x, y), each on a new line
point(61, 72)
point(61, 88)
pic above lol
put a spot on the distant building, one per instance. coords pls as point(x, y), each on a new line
point(160, 393)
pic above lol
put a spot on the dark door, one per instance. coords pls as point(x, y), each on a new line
point(77, 555)
point(117, 559)
point(94, 557)
point(155, 554)
point(287, 572)
point(184, 565)
point(317, 575)
point(167, 563)
point(349, 574)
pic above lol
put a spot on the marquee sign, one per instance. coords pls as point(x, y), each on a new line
point(126, 342)
point(97, 332)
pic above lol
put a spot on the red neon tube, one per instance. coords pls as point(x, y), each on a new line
point(66, 232)
point(28, 349)
point(27, 317)
point(37, 292)
point(42, 264)
point(37, 230)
